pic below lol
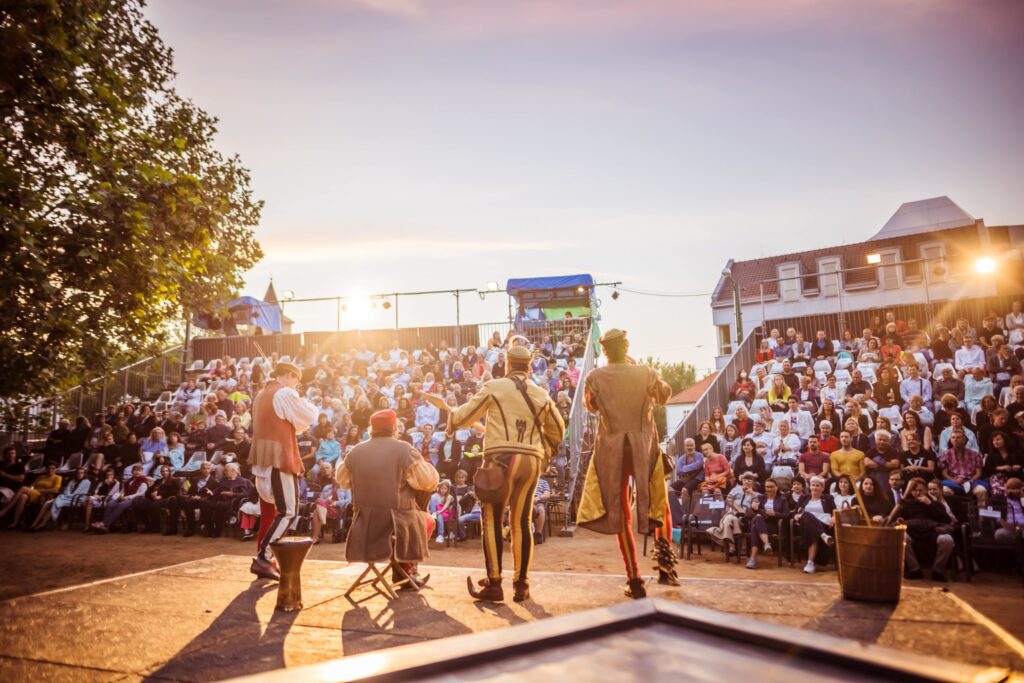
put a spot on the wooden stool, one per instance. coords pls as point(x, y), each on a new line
point(290, 552)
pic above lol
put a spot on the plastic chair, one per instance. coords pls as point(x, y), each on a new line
point(194, 462)
point(72, 464)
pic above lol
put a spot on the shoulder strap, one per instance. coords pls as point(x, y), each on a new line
point(521, 386)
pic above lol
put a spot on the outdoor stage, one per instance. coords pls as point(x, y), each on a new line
point(207, 620)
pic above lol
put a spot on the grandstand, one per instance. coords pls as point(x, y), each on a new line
point(916, 334)
point(190, 410)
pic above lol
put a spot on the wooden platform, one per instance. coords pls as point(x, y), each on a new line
point(208, 620)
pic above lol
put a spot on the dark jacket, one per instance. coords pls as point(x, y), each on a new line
point(828, 504)
point(781, 505)
point(758, 469)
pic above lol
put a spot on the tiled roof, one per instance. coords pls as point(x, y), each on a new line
point(691, 393)
point(751, 274)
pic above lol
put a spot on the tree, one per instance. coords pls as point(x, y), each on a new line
point(679, 376)
point(117, 212)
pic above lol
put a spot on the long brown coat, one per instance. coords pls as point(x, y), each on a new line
point(623, 395)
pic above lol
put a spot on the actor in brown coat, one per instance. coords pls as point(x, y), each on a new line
point(384, 475)
point(626, 446)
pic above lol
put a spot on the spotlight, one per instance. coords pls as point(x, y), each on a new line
point(344, 307)
point(985, 265)
point(874, 259)
point(493, 287)
point(580, 289)
point(288, 295)
point(386, 305)
point(615, 295)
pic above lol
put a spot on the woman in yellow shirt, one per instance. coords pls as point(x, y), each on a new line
point(47, 484)
point(779, 391)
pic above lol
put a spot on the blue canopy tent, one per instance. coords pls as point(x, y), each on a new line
point(246, 310)
point(550, 298)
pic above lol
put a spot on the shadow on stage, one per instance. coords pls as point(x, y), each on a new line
point(408, 619)
point(235, 643)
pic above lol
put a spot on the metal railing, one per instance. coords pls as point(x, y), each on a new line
point(717, 393)
point(578, 424)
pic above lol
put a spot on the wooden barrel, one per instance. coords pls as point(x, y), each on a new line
point(870, 560)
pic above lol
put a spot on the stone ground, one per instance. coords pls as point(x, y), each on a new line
point(207, 619)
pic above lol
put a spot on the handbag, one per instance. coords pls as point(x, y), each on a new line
point(489, 482)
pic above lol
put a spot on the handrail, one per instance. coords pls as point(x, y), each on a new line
point(717, 393)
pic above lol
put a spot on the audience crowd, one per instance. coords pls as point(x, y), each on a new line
point(916, 427)
point(184, 462)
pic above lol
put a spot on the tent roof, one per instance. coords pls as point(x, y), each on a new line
point(526, 284)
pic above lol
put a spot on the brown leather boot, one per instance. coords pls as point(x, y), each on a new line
point(490, 590)
point(522, 590)
point(636, 589)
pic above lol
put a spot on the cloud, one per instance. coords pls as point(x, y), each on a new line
point(397, 8)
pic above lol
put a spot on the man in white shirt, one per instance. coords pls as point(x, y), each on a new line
point(279, 413)
point(786, 446)
point(800, 421)
point(427, 414)
point(763, 441)
point(968, 357)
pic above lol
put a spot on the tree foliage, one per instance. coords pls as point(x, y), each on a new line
point(679, 376)
point(117, 212)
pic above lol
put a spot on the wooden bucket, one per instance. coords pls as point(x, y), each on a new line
point(870, 558)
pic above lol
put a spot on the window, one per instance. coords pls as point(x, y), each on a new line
point(724, 341)
point(829, 277)
point(935, 266)
point(789, 283)
point(889, 275)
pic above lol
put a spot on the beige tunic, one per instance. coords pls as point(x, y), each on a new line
point(623, 395)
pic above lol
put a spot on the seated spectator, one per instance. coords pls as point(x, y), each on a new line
point(877, 504)
point(969, 356)
point(74, 494)
point(44, 487)
point(801, 350)
point(717, 422)
point(12, 475)
point(197, 489)
point(442, 507)
point(730, 442)
point(228, 494)
point(854, 411)
point(844, 494)
point(150, 507)
point(847, 460)
point(747, 460)
point(827, 440)
point(912, 425)
point(886, 391)
point(821, 348)
point(928, 530)
point(827, 413)
point(814, 515)
point(806, 395)
point(1002, 463)
point(871, 353)
point(922, 410)
point(956, 421)
point(1011, 525)
point(329, 451)
point(134, 487)
point(916, 460)
point(105, 493)
point(858, 439)
point(541, 496)
point(717, 472)
point(705, 435)
point(737, 505)
point(743, 388)
point(942, 347)
point(832, 391)
point(785, 454)
point(188, 398)
point(689, 473)
point(890, 351)
point(914, 385)
point(742, 421)
point(1002, 367)
point(857, 387)
point(883, 458)
point(977, 386)
point(769, 509)
point(763, 440)
point(765, 352)
point(814, 462)
point(779, 393)
point(848, 343)
point(961, 468)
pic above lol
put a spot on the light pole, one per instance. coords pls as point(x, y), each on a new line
point(736, 307)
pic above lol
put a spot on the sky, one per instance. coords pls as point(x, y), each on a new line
point(411, 145)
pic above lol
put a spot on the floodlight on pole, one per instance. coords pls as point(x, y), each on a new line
point(985, 265)
point(874, 259)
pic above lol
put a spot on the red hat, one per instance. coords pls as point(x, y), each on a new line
point(384, 419)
